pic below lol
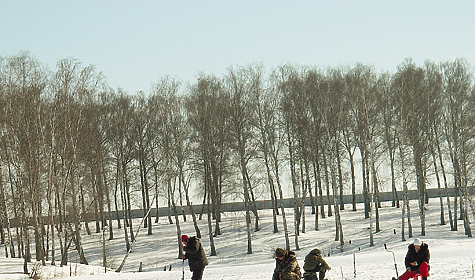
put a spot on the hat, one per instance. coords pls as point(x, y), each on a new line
point(315, 252)
point(279, 252)
point(184, 238)
point(417, 242)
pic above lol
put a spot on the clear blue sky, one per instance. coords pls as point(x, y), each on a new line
point(135, 43)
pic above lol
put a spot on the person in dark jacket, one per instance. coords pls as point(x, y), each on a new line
point(314, 263)
point(195, 255)
point(286, 266)
point(416, 261)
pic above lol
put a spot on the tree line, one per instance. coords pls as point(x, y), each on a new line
point(76, 152)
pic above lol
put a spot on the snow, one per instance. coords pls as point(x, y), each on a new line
point(452, 252)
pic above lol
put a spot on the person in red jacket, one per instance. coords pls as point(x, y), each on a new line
point(417, 260)
point(195, 255)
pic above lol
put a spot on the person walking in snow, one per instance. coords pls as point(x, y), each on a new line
point(314, 263)
point(286, 266)
point(195, 255)
point(417, 260)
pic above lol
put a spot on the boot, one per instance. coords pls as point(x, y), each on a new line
point(424, 277)
point(394, 278)
point(321, 275)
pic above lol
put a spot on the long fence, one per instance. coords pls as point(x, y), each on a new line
point(288, 203)
point(262, 204)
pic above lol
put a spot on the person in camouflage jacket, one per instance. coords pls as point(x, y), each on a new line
point(286, 266)
point(315, 263)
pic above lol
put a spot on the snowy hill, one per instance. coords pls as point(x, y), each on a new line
point(452, 253)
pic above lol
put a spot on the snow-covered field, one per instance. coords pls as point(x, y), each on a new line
point(452, 253)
